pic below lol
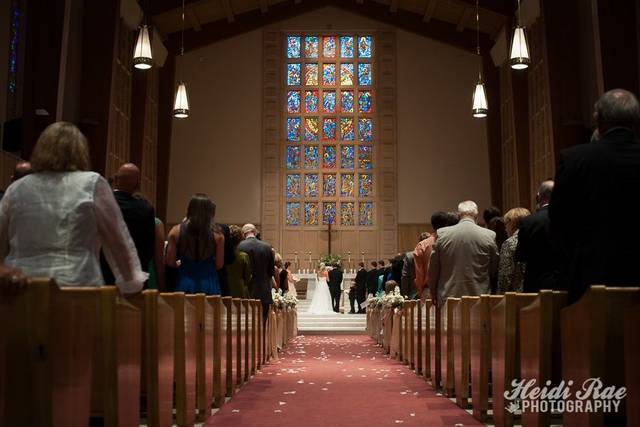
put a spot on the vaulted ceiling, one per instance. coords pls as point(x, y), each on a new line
point(448, 21)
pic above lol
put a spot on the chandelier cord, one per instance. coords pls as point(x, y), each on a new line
point(182, 32)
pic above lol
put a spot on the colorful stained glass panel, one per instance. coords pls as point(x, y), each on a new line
point(346, 184)
point(365, 185)
point(329, 157)
point(293, 213)
point(311, 185)
point(346, 75)
point(346, 47)
point(329, 184)
point(311, 157)
point(365, 213)
point(328, 213)
point(365, 129)
point(329, 74)
point(293, 128)
point(364, 46)
point(365, 157)
point(311, 47)
point(311, 129)
point(347, 160)
point(329, 47)
point(293, 101)
point(346, 101)
point(311, 101)
point(311, 213)
point(347, 132)
point(364, 74)
point(293, 74)
point(329, 101)
point(365, 101)
point(293, 186)
point(310, 74)
point(293, 47)
point(329, 129)
point(347, 213)
point(293, 157)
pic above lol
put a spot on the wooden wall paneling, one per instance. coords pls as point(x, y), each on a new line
point(510, 183)
point(492, 86)
point(149, 160)
point(166, 87)
point(408, 235)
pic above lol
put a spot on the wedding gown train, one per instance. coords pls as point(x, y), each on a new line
point(321, 301)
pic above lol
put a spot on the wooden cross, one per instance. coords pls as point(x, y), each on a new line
point(329, 237)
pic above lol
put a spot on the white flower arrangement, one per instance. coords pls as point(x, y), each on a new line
point(278, 299)
point(393, 299)
point(290, 300)
point(375, 302)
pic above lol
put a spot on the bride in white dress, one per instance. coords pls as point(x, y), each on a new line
point(321, 301)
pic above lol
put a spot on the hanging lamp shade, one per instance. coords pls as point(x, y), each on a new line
point(181, 104)
point(480, 108)
point(519, 55)
point(142, 57)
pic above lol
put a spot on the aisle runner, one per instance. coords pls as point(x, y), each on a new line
point(335, 381)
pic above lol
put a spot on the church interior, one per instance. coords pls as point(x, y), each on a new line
point(447, 172)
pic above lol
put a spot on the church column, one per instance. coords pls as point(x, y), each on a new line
point(165, 124)
point(491, 77)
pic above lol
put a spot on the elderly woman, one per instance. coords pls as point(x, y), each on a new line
point(54, 222)
point(511, 272)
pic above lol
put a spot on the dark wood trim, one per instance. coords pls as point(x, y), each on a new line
point(139, 85)
point(501, 7)
point(520, 93)
point(491, 76)
point(165, 124)
point(254, 19)
point(100, 21)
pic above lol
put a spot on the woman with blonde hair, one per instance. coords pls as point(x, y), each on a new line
point(511, 272)
point(54, 222)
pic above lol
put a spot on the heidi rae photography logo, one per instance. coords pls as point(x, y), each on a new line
point(590, 396)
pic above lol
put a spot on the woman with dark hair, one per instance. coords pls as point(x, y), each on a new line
point(239, 270)
point(196, 248)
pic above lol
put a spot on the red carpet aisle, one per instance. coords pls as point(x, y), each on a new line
point(338, 381)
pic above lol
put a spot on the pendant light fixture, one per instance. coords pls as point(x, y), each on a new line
point(480, 107)
point(181, 103)
point(519, 54)
point(142, 56)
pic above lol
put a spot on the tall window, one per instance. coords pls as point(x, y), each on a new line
point(330, 130)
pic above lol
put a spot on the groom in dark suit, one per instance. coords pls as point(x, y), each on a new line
point(335, 283)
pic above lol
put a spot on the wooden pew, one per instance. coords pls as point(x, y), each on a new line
point(255, 364)
point(540, 346)
point(204, 355)
point(462, 345)
point(505, 354)
point(631, 366)
point(409, 335)
point(157, 357)
point(592, 332)
point(435, 319)
point(238, 341)
point(387, 328)
point(396, 334)
point(246, 339)
point(426, 339)
point(219, 349)
point(231, 348)
point(185, 332)
point(480, 352)
point(261, 325)
point(419, 340)
point(448, 347)
point(49, 337)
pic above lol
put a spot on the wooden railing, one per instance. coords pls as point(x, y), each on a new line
point(473, 348)
point(156, 358)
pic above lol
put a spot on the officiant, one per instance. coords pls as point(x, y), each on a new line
point(335, 286)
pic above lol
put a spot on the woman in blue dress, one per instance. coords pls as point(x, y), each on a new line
point(196, 248)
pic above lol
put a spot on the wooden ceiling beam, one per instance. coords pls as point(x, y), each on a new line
point(264, 6)
point(501, 7)
point(193, 19)
point(393, 7)
point(463, 19)
point(228, 10)
point(428, 12)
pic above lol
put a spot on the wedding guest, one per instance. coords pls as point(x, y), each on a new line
point(408, 280)
point(382, 271)
point(138, 214)
point(604, 177)
point(360, 284)
point(335, 286)
point(422, 252)
point(284, 277)
point(54, 222)
point(510, 271)
point(464, 259)
point(21, 170)
point(291, 286)
point(397, 264)
point(372, 278)
point(278, 266)
point(239, 271)
point(262, 267)
point(535, 247)
point(498, 226)
point(390, 286)
point(229, 252)
point(196, 248)
point(157, 265)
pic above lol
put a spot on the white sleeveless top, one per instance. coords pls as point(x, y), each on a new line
point(53, 224)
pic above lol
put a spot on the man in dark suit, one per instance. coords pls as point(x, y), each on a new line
point(335, 286)
point(595, 183)
point(535, 247)
point(262, 267)
point(360, 288)
point(372, 278)
point(137, 213)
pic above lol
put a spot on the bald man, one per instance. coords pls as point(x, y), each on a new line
point(262, 266)
point(138, 214)
point(21, 170)
point(535, 247)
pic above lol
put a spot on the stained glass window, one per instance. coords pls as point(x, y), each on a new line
point(15, 30)
point(331, 130)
